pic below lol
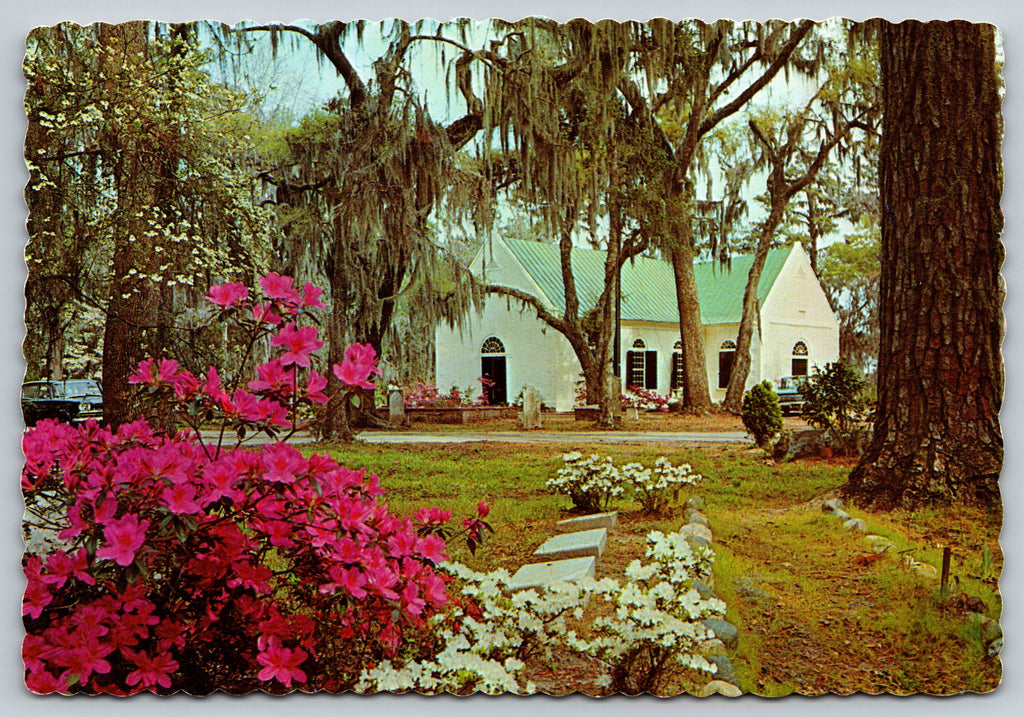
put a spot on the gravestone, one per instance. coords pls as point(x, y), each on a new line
point(536, 574)
point(530, 418)
point(588, 522)
point(574, 545)
point(396, 407)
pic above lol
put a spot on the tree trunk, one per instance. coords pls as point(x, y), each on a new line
point(744, 338)
point(696, 395)
point(936, 433)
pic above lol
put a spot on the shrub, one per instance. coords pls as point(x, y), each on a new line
point(762, 415)
point(183, 565)
point(652, 487)
point(832, 399)
point(638, 397)
point(590, 482)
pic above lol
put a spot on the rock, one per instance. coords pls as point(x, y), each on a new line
point(718, 687)
point(702, 588)
point(842, 515)
point(697, 541)
point(995, 648)
point(698, 519)
point(697, 529)
point(726, 672)
point(748, 587)
point(713, 646)
point(923, 569)
point(723, 630)
point(832, 504)
point(695, 502)
point(804, 444)
point(879, 543)
point(989, 628)
point(856, 525)
point(531, 409)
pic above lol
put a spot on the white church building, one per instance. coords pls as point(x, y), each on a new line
point(796, 328)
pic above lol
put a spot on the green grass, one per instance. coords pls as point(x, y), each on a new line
point(827, 623)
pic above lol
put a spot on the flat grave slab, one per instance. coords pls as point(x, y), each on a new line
point(574, 545)
point(588, 522)
point(537, 574)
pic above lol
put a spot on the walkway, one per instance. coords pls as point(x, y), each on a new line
point(548, 437)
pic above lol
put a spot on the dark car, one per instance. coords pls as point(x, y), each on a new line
point(72, 400)
point(790, 393)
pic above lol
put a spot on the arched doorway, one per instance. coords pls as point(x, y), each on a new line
point(492, 368)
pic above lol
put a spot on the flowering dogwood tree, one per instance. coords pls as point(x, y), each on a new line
point(185, 564)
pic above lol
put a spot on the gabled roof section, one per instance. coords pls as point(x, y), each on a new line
point(648, 286)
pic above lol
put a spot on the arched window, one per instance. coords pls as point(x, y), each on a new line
point(677, 366)
point(799, 367)
point(492, 345)
point(641, 366)
point(726, 354)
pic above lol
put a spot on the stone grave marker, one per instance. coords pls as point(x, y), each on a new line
point(574, 545)
point(396, 407)
point(530, 417)
point(537, 574)
point(588, 522)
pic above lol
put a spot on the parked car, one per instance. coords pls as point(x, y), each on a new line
point(72, 400)
point(790, 392)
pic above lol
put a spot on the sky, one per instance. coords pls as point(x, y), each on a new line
point(21, 17)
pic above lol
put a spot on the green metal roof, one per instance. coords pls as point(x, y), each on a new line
point(648, 287)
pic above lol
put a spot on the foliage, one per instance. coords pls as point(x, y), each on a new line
point(425, 395)
point(762, 415)
point(181, 565)
point(639, 397)
point(849, 274)
point(832, 398)
point(590, 482)
point(650, 633)
point(139, 192)
point(652, 487)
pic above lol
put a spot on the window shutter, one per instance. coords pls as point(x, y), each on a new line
point(674, 376)
point(630, 369)
point(651, 370)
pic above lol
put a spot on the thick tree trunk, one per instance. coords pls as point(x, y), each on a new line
point(696, 395)
point(748, 317)
point(936, 434)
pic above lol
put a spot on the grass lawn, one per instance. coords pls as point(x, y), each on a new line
point(813, 617)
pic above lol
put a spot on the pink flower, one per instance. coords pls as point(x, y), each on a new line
point(283, 463)
point(300, 343)
point(360, 362)
point(144, 374)
point(225, 295)
point(273, 377)
point(276, 286)
point(181, 499)
point(432, 547)
point(266, 313)
point(311, 296)
point(60, 566)
point(414, 604)
point(281, 663)
point(152, 671)
point(315, 387)
point(482, 509)
point(124, 537)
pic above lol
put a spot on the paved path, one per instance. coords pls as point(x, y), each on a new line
point(551, 437)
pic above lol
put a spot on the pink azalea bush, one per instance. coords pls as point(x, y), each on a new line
point(188, 566)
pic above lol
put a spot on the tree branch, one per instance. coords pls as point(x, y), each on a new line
point(533, 302)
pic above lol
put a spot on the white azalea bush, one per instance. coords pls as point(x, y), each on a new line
point(648, 635)
point(591, 482)
point(652, 487)
point(654, 636)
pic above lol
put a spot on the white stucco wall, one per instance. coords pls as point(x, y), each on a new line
point(795, 310)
